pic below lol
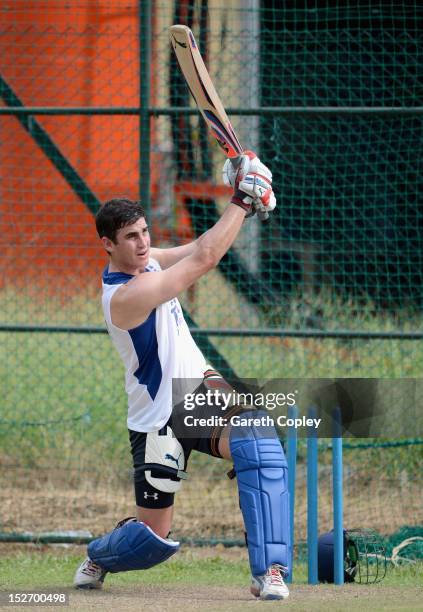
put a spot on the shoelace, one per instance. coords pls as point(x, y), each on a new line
point(91, 569)
point(275, 576)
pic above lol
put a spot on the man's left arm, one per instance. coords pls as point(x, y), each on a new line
point(169, 257)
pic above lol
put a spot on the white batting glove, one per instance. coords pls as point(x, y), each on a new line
point(252, 182)
point(250, 163)
point(266, 204)
point(254, 192)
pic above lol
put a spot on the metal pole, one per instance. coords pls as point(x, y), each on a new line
point(312, 502)
point(254, 333)
point(337, 495)
point(166, 111)
point(292, 469)
point(144, 142)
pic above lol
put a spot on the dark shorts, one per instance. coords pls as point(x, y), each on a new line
point(146, 495)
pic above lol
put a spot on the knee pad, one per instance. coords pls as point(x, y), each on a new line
point(262, 475)
point(132, 546)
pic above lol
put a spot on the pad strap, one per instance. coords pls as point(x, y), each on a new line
point(132, 546)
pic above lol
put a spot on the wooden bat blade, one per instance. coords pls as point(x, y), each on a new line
point(202, 89)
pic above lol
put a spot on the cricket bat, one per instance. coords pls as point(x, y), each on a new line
point(205, 95)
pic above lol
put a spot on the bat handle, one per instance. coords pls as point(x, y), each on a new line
point(263, 215)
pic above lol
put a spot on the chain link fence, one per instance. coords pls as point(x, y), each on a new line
point(92, 107)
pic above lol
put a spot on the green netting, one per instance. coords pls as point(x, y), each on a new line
point(331, 98)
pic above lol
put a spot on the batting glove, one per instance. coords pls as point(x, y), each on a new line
point(232, 174)
point(249, 163)
point(253, 193)
point(256, 193)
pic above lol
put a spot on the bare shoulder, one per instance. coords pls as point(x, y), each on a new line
point(133, 302)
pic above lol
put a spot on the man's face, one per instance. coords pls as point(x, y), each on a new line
point(132, 248)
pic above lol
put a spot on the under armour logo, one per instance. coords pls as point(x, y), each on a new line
point(172, 458)
point(155, 496)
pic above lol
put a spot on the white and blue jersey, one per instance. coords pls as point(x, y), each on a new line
point(154, 353)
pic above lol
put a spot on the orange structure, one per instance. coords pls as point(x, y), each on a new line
point(73, 54)
point(58, 55)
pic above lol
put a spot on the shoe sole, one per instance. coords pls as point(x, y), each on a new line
point(268, 597)
point(98, 584)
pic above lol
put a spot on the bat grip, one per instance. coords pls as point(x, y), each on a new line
point(261, 214)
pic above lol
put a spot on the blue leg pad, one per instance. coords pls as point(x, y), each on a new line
point(132, 546)
point(262, 475)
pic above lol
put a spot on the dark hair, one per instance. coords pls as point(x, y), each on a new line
point(115, 214)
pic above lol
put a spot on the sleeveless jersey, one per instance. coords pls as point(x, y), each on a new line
point(154, 353)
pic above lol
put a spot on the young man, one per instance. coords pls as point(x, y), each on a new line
point(146, 324)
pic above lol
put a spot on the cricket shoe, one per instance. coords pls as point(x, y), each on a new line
point(270, 585)
point(89, 575)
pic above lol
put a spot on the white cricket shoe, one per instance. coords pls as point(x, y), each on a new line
point(89, 575)
point(270, 585)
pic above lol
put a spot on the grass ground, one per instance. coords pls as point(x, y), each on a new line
point(63, 407)
point(197, 578)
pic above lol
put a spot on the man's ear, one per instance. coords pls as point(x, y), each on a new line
point(107, 244)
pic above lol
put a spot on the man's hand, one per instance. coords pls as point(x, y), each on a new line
point(252, 182)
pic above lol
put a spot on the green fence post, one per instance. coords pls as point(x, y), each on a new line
point(144, 136)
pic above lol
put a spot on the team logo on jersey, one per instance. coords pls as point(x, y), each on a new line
point(176, 311)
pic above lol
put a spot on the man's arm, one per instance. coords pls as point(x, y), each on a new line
point(169, 257)
point(134, 301)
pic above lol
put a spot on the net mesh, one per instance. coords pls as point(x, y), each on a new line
point(342, 252)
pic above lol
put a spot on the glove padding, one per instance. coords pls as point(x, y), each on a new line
point(252, 182)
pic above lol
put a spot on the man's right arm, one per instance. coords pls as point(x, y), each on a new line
point(134, 301)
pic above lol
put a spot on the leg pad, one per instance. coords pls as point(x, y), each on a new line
point(132, 546)
point(262, 475)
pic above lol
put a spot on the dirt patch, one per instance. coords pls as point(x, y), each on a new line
point(188, 598)
point(233, 599)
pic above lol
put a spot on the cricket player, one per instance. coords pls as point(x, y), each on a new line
point(145, 322)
